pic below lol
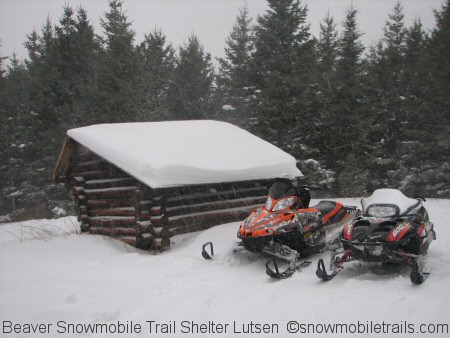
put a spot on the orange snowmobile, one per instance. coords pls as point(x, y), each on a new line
point(287, 228)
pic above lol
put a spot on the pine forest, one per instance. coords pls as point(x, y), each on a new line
point(356, 117)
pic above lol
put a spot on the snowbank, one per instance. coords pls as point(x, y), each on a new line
point(163, 154)
point(42, 229)
point(86, 279)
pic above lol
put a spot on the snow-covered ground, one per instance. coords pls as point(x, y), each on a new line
point(50, 275)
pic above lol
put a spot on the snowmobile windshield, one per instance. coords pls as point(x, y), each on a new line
point(282, 188)
point(282, 195)
point(281, 204)
point(380, 210)
point(392, 197)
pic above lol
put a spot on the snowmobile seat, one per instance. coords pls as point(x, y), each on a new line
point(325, 207)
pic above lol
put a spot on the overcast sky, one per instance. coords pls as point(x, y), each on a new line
point(210, 20)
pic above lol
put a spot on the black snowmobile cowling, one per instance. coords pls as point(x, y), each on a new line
point(392, 228)
point(392, 219)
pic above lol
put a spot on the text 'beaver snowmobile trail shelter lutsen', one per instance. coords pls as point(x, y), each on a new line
point(145, 182)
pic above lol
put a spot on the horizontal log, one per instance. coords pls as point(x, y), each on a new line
point(126, 211)
point(213, 196)
point(89, 165)
point(157, 211)
point(211, 206)
point(109, 203)
point(101, 174)
point(110, 183)
point(206, 219)
point(120, 192)
point(112, 221)
point(144, 216)
point(93, 165)
point(211, 187)
point(118, 231)
point(159, 221)
point(130, 240)
point(145, 204)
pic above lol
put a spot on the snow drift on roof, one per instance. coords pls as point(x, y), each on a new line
point(164, 154)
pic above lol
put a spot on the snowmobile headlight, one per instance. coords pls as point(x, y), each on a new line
point(284, 203)
point(269, 203)
point(381, 211)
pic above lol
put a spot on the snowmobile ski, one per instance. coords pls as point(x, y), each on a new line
point(275, 272)
point(208, 255)
point(336, 263)
point(417, 275)
point(321, 272)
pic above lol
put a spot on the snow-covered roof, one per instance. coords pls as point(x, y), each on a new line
point(389, 196)
point(164, 154)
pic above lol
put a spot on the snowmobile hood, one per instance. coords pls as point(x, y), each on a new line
point(390, 197)
point(262, 222)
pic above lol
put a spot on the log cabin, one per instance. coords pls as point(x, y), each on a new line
point(143, 183)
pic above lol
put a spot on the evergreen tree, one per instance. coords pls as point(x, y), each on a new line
point(350, 49)
point(433, 174)
point(440, 41)
point(283, 67)
point(327, 46)
point(15, 136)
point(118, 69)
point(4, 137)
point(320, 141)
point(415, 63)
point(391, 117)
point(76, 60)
point(395, 39)
point(44, 76)
point(234, 79)
point(440, 66)
point(192, 89)
point(158, 64)
point(416, 96)
point(327, 52)
point(400, 106)
point(84, 64)
point(45, 99)
point(65, 42)
point(42, 101)
point(348, 117)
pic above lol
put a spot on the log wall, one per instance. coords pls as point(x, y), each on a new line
point(111, 203)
